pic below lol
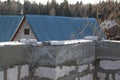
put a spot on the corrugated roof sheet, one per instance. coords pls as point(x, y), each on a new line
point(8, 26)
point(61, 28)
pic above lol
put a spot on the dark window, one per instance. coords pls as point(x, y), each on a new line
point(26, 31)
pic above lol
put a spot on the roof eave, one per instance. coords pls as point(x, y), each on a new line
point(17, 28)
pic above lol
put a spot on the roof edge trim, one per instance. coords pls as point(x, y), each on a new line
point(17, 28)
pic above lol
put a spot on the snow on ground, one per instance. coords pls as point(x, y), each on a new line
point(11, 43)
point(112, 41)
point(69, 42)
point(65, 42)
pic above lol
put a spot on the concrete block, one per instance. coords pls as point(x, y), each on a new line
point(102, 76)
point(91, 67)
point(109, 64)
point(110, 77)
point(1, 75)
point(82, 68)
point(87, 77)
point(12, 73)
point(76, 78)
point(64, 70)
point(45, 72)
point(117, 76)
point(24, 71)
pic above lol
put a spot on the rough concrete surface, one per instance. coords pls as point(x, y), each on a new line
point(12, 55)
point(74, 54)
point(108, 49)
point(97, 60)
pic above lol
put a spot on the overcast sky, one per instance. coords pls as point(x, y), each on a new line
point(59, 1)
point(70, 1)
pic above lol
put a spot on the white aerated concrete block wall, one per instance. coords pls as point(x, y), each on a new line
point(62, 71)
point(12, 73)
point(87, 77)
point(1, 75)
point(65, 62)
point(45, 72)
point(65, 72)
point(101, 75)
point(24, 71)
point(109, 69)
point(110, 65)
point(117, 76)
point(82, 68)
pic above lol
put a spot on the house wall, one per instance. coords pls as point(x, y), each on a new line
point(20, 34)
point(96, 60)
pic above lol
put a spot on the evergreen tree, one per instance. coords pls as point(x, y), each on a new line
point(65, 8)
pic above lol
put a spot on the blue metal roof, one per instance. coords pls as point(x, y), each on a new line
point(8, 26)
point(61, 28)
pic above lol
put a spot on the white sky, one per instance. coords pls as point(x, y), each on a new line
point(59, 1)
point(70, 1)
